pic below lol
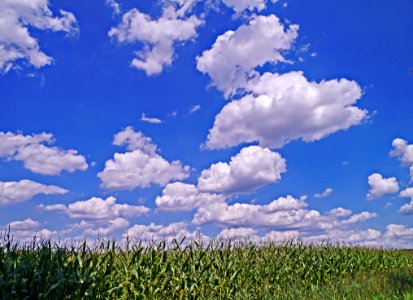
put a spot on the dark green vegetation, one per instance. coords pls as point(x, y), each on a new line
point(218, 270)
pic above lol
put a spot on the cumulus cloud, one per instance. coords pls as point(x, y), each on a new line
point(404, 152)
point(361, 237)
point(18, 191)
point(363, 216)
point(141, 166)
point(407, 209)
point(38, 156)
point(237, 233)
point(111, 226)
point(23, 225)
point(340, 212)
point(284, 213)
point(327, 192)
point(280, 236)
point(180, 196)
point(26, 230)
point(134, 141)
point(97, 209)
point(398, 236)
point(158, 37)
point(380, 186)
point(154, 232)
point(269, 114)
point(250, 169)
point(17, 43)
point(235, 54)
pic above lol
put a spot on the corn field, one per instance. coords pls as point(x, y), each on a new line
point(193, 270)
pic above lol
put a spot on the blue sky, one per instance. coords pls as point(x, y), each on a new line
point(267, 119)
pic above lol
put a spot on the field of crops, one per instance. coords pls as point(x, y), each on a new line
point(217, 270)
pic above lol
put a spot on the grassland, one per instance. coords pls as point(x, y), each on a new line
point(217, 270)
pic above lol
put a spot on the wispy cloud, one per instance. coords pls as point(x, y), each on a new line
point(146, 119)
point(194, 108)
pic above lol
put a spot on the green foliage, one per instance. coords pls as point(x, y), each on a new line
point(217, 270)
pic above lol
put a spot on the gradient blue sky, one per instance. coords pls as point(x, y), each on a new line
point(88, 91)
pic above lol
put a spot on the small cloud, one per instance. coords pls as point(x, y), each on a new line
point(114, 5)
point(327, 192)
point(173, 114)
point(345, 163)
point(144, 118)
point(194, 108)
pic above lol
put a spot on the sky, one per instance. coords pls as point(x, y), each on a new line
point(249, 119)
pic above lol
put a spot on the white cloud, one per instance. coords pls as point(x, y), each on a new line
point(407, 209)
point(327, 192)
point(37, 157)
point(340, 212)
point(134, 141)
point(237, 233)
point(180, 196)
point(23, 190)
point(363, 216)
point(23, 225)
point(269, 114)
point(97, 209)
point(146, 119)
point(235, 54)
point(400, 231)
point(284, 213)
point(194, 108)
point(111, 226)
point(16, 42)
point(27, 230)
point(380, 186)
point(241, 5)
point(114, 5)
point(398, 236)
point(159, 37)
point(153, 232)
point(360, 237)
point(280, 236)
point(250, 169)
point(140, 167)
point(403, 151)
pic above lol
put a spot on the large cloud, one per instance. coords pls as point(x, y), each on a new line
point(235, 54)
point(380, 186)
point(18, 191)
point(284, 213)
point(248, 170)
point(38, 157)
point(159, 36)
point(180, 196)
point(16, 43)
point(97, 209)
point(287, 107)
point(141, 166)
